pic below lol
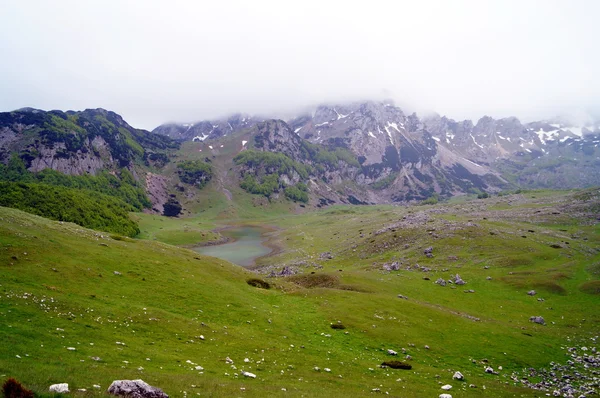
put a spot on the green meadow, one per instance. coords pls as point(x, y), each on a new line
point(86, 308)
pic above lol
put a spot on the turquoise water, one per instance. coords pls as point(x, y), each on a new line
point(246, 247)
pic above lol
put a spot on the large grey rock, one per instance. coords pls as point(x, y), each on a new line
point(537, 319)
point(135, 389)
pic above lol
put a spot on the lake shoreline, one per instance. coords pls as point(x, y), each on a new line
point(265, 241)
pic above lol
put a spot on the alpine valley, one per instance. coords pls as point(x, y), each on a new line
point(408, 256)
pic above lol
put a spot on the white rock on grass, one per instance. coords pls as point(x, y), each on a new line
point(445, 396)
point(61, 388)
point(392, 352)
point(71, 348)
point(248, 374)
point(446, 387)
point(458, 376)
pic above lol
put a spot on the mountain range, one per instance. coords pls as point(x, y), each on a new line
point(362, 153)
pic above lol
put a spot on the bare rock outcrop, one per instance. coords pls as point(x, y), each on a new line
point(156, 187)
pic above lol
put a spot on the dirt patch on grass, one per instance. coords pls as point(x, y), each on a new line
point(397, 365)
point(315, 280)
point(550, 287)
point(547, 285)
point(259, 283)
point(511, 262)
point(328, 281)
point(591, 287)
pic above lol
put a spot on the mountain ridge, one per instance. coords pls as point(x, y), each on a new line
point(361, 153)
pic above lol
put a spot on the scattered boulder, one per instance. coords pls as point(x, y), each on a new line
point(248, 374)
point(117, 273)
point(458, 280)
point(428, 252)
point(445, 396)
point(395, 266)
point(440, 282)
point(458, 376)
point(326, 256)
point(402, 297)
point(135, 389)
point(61, 388)
point(392, 352)
point(446, 387)
point(286, 271)
point(537, 319)
point(531, 293)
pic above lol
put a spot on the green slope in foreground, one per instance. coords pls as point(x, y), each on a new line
point(59, 290)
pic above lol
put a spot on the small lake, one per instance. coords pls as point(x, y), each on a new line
point(247, 246)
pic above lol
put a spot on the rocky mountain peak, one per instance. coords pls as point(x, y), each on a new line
point(277, 136)
point(207, 129)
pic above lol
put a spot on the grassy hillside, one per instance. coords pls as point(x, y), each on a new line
point(86, 208)
point(59, 289)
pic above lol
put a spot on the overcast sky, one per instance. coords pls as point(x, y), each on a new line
point(158, 61)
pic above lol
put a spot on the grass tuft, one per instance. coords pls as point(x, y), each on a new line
point(13, 389)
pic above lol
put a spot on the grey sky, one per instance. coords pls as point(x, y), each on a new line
point(158, 61)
